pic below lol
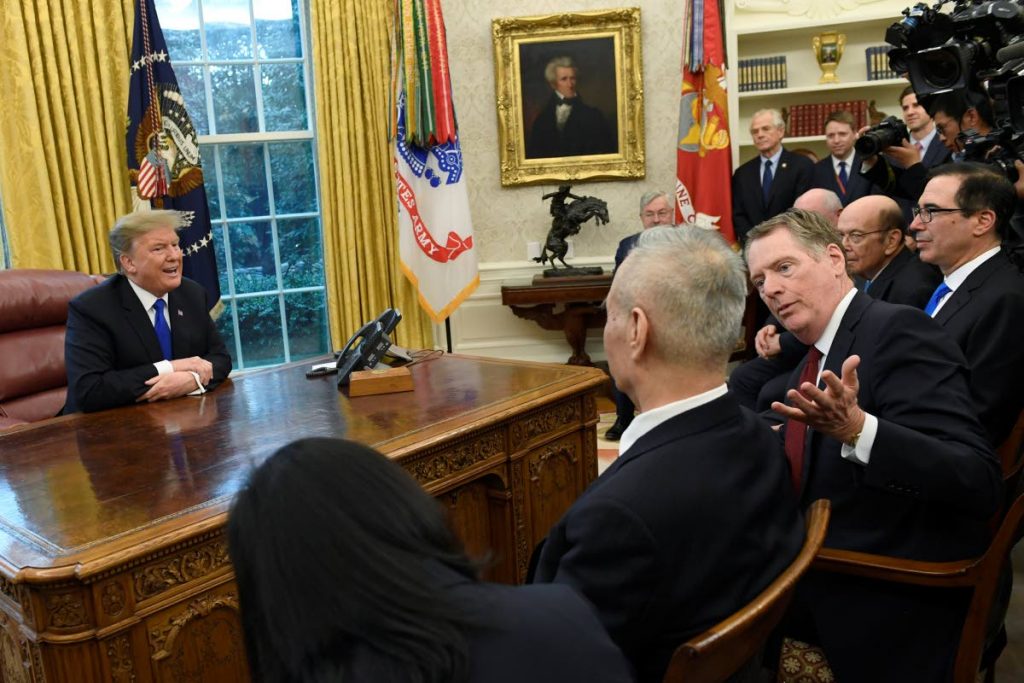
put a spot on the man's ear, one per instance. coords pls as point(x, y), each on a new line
point(127, 266)
point(639, 332)
point(836, 257)
point(893, 240)
point(986, 223)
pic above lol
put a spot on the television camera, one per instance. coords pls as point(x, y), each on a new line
point(977, 46)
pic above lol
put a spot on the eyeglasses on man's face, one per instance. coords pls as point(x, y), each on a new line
point(857, 236)
point(927, 213)
point(664, 213)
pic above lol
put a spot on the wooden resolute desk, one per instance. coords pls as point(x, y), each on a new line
point(113, 563)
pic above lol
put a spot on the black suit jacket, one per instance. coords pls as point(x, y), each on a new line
point(985, 315)
point(680, 531)
point(791, 179)
point(585, 132)
point(626, 245)
point(930, 487)
point(906, 280)
point(857, 185)
point(111, 345)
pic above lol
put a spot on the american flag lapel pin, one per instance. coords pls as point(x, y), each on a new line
point(180, 314)
point(783, 166)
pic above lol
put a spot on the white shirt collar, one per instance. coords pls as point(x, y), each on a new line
point(146, 298)
point(927, 140)
point(824, 342)
point(957, 277)
point(774, 159)
point(649, 419)
point(849, 163)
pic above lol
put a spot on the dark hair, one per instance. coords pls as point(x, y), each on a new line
point(840, 116)
point(909, 90)
point(956, 103)
point(336, 552)
point(981, 187)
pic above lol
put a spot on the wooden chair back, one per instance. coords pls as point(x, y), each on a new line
point(981, 575)
point(1010, 454)
point(727, 646)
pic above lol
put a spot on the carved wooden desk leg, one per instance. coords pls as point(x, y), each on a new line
point(576, 318)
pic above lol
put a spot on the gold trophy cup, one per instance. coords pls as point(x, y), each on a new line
point(828, 50)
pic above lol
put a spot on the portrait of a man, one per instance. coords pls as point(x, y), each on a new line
point(569, 106)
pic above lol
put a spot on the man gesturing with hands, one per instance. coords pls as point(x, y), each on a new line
point(878, 420)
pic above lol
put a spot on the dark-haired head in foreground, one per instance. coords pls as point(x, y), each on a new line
point(347, 570)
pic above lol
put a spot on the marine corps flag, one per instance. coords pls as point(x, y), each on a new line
point(435, 230)
point(163, 149)
point(704, 155)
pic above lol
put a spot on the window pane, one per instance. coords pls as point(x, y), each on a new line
point(208, 153)
point(193, 89)
point(259, 323)
point(301, 256)
point(284, 100)
point(252, 257)
point(180, 23)
point(222, 263)
point(307, 324)
point(291, 166)
point(226, 327)
point(234, 99)
point(245, 181)
point(277, 28)
point(228, 32)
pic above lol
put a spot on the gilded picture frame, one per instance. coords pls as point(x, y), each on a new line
point(570, 98)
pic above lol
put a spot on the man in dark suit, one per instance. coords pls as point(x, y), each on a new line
point(838, 171)
point(655, 209)
point(769, 183)
point(696, 516)
point(872, 230)
point(887, 432)
point(145, 334)
point(566, 126)
point(963, 217)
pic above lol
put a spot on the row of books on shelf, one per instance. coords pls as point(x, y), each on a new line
point(809, 119)
point(762, 73)
point(876, 59)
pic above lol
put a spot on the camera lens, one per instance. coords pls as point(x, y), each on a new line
point(941, 69)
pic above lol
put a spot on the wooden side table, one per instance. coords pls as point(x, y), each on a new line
point(569, 304)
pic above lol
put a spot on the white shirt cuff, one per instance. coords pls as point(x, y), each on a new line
point(861, 453)
point(201, 389)
point(163, 367)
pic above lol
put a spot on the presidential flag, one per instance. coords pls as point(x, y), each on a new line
point(163, 150)
point(704, 156)
point(434, 225)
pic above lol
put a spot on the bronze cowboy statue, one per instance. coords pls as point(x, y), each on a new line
point(565, 222)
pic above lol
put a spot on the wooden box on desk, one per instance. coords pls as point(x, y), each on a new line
point(387, 381)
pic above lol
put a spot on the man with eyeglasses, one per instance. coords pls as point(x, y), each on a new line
point(872, 230)
point(960, 224)
point(655, 209)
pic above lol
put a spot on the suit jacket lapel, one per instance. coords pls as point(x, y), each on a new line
point(179, 328)
point(139, 320)
point(962, 296)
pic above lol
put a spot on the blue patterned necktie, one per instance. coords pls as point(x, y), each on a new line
point(843, 178)
point(766, 181)
point(940, 291)
point(163, 332)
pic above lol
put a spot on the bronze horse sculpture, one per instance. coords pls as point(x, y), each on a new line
point(566, 222)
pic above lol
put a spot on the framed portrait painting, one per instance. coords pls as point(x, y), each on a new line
point(569, 96)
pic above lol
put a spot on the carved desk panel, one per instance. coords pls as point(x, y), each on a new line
point(113, 563)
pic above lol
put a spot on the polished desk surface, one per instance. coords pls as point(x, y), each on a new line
point(81, 493)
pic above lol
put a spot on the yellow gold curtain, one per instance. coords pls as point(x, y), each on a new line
point(62, 166)
point(351, 57)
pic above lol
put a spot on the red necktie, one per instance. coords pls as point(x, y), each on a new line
point(796, 431)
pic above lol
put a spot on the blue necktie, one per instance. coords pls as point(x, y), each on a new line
point(843, 178)
point(940, 291)
point(867, 283)
point(766, 181)
point(163, 332)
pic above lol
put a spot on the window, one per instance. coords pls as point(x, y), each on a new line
point(243, 69)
